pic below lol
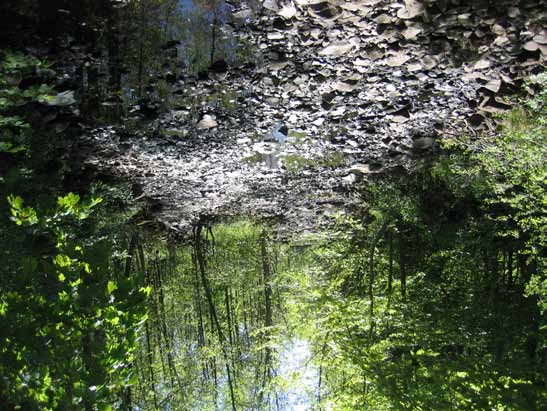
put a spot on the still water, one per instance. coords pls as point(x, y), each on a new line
point(226, 327)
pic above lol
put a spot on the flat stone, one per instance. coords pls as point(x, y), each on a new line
point(206, 122)
point(336, 49)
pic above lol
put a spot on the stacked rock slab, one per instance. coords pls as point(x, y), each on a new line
point(362, 86)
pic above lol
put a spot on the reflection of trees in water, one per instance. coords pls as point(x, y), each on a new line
point(217, 323)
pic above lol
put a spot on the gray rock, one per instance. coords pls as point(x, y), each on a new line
point(423, 143)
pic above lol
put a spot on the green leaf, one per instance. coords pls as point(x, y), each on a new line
point(15, 202)
point(3, 308)
point(146, 290)
point(62, 260)
point(70, 201)
point(111, 287)
point(19, 214)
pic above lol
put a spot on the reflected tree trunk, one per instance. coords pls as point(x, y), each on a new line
point(402, 266)
point(150, 358)
point(214, 36)
point(167, 339)
point(126, 394)
point(320, 382)
point(390, 269)
point(212, 309)
point(268, 317)
point(197, 302)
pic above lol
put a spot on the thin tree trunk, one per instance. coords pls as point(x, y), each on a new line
point(149, 352)
point(87, 354)
point(201, 332)
point(126, 393)
point(130, 254)
point(213, 363)
point(214, 36)
point(372, 275)
point(173, 374)
point(390, 269)
point(402, 265)
point(150, 357)
point(197, 301)
point(268, 318)
point(141, 50)
point(235, 321)
point(230, 328)
point(320, 382)
point(246, 324)
point(209, 296)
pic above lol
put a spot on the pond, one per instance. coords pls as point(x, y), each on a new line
point(226, 327)
point(272, 205)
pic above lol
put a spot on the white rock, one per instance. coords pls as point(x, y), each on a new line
point(271, 5)
point(287, 11)
point(275, 36)
point(206, 122)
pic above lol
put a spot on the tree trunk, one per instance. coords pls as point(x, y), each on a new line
point(209, 296)
point(510, 270)
point(372, 274)
point(214, 36)
point(390, 269)
point(268, 317)
point(402, 265)
point(141, 50)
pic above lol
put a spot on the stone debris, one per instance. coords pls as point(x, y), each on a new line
point(357, 83)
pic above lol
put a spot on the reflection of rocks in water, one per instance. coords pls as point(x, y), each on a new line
point(268, 154)
point(272, 161)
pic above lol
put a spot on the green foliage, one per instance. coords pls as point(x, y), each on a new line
point(507, 172)
point(14, 130)
point(435, 298)
point(294, 163)
point(69, 319)
point(70, 310)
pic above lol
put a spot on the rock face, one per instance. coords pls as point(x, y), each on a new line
point(360, 86)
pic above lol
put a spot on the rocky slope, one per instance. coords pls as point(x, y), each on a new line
point(335, 91)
